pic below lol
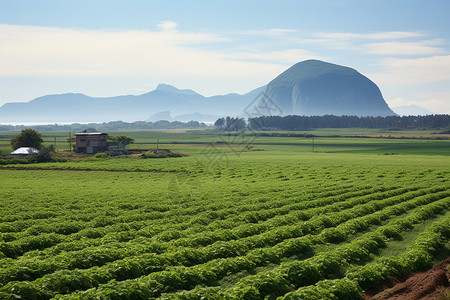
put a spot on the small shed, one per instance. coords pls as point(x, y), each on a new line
point(24, 151)
point(91, 142)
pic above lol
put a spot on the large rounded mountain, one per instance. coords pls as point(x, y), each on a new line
point(315, 88)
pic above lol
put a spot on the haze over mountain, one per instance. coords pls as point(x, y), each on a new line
point(310, 87)
point(165, 98)
point(412, 110)
point(167, 116)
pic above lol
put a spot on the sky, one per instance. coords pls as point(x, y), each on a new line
point(105, 48)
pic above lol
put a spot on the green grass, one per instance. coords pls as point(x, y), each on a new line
point(248, 224)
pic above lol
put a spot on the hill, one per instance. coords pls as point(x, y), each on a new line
point(314, 87)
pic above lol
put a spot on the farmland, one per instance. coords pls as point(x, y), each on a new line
point(287, 221)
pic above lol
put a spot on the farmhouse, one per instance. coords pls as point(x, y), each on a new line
point(91, 142)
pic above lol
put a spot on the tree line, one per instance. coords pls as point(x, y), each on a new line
point(330, 121)
point(109, 126)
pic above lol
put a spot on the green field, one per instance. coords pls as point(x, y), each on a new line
point(225, 221)
point(326, 141)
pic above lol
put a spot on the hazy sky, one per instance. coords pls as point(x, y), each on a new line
point(107, 48)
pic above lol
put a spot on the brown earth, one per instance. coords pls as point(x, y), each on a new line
point(433, 284)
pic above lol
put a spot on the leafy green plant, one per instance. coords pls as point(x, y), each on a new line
point(100, 155)
point(162, 154)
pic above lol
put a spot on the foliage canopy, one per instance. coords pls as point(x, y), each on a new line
point(27, 138)
point(122, 139)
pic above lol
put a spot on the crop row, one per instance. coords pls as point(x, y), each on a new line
point(37, 222)
point(202, 212)
point(16, 248)
point(418, 256)
point(89, 256)
point(330, 264)
point(57, 231)
point(324, 263)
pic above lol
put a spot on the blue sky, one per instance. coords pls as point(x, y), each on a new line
point(107, 48)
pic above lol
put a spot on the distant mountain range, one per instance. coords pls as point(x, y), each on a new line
point(412, 110)
point(310, 87)
point(165, 98)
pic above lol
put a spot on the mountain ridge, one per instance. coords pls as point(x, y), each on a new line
point(310, 87)
point(79, 107)
point(314, 87)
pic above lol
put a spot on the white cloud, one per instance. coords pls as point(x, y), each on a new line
point(398, 102)
point(274, 32)
point(404, 48)
point(169, 55)
point(369, 36)
point(381, 43)
point(420, 81)
point(437, 105)
point(290, 56)
point(434, 105)
point(414, 71)
point(167, 25)
point(338, 36)
point(41, 51)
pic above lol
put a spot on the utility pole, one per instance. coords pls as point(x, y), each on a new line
point(157, 145)
point(70, 141)
point(312, 144)
point(54, 143)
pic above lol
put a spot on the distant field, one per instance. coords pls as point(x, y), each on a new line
point(226, 221)
point(196, 140)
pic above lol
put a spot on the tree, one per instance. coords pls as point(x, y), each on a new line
point(122, 139)
point(27, 138)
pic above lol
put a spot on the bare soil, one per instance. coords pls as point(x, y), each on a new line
point(433, 284)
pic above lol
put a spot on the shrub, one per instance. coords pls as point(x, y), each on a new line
point(44, 155)
point(164, 154)
point(101, 155)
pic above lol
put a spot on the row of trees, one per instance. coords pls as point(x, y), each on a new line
point(110, 126)
point(331, 121)
point(231, 124)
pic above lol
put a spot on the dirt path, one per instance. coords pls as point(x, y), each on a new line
point(433, 284)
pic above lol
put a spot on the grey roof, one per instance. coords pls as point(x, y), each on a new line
point(25, 151)
point(91, 133)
